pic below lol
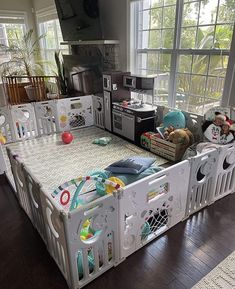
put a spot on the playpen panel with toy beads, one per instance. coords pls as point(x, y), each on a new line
point(201, 182)
point(55, 232)
point(149, 207)
point(75, 112)
point(225, 173)
point(89, 258)
point(20, 183)
point(33, 192)
point(6, 125)
point(24, 121)
point(46, 117)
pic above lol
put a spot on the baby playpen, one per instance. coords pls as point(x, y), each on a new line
point(121, 222)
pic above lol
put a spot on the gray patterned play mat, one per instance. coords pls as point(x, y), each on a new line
point(54, 163)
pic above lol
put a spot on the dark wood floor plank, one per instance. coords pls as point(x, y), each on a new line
point(176, 260)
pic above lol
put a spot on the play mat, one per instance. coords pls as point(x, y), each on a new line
point(54, 163)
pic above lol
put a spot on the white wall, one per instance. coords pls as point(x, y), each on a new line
point(20, 5)
point(42, 4)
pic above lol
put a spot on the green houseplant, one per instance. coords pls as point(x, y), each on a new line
point(61, 72)
point(25, 62)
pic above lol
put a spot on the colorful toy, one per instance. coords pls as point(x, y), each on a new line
point(175, 119)
point(86, 232)
point(110, 188)
point(67, 137)
point(217, 129)
point(102, 141)
point(2, 139)
point(145, 139)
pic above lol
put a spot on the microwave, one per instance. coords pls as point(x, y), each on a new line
point(129, 81)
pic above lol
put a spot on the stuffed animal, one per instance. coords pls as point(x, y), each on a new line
point(175, 119)
point(167, 131)
point(181, 136)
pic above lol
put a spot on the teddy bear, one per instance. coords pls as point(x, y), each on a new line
point(167, 131)
point(181, 136)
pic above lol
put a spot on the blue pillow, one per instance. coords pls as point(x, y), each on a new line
point(132, 165)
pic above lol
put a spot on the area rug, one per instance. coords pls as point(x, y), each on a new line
point(221, 277)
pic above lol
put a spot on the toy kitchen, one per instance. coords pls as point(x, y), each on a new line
point(124, 114)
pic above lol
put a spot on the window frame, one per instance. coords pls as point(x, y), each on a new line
point(175, 51)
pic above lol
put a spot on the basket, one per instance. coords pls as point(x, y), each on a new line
point(166, 149)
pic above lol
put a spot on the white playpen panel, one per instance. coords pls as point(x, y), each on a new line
point(151, 206)
point(225, 173)
point(98, 111)
point(20, 183)
point(55, 231)
point(46, 117)
point(75, 112)
point(92, 257)
point(201, 182)
point(24, 121)
point(6, 125)
point(34, 191)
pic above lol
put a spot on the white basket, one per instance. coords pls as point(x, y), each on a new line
point(151, 206)
point(46, 117)
point(225, 173)
point(75, 112)
point(201, 182)
point(24, 121)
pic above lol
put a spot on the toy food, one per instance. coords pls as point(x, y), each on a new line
point(67, 137)
point(181, 136)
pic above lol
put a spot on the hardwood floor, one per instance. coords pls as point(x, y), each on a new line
point(176, 260)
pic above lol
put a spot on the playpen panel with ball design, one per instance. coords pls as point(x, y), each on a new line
point(75, 112)
point(24, 121)
point(46, 117)
point(151, 206)
point(224, 173)
point(202, 180)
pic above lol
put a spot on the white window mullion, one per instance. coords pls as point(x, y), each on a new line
point(175, 54)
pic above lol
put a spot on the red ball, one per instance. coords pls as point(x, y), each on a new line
point(67, 137)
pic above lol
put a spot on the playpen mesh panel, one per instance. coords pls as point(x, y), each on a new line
point(156, 220)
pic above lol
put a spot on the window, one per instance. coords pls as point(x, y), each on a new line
point(50, 27)
point(186, 42)
point(10, 25)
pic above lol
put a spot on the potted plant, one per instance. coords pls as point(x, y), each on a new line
point(25, 62)
point(61, 73)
